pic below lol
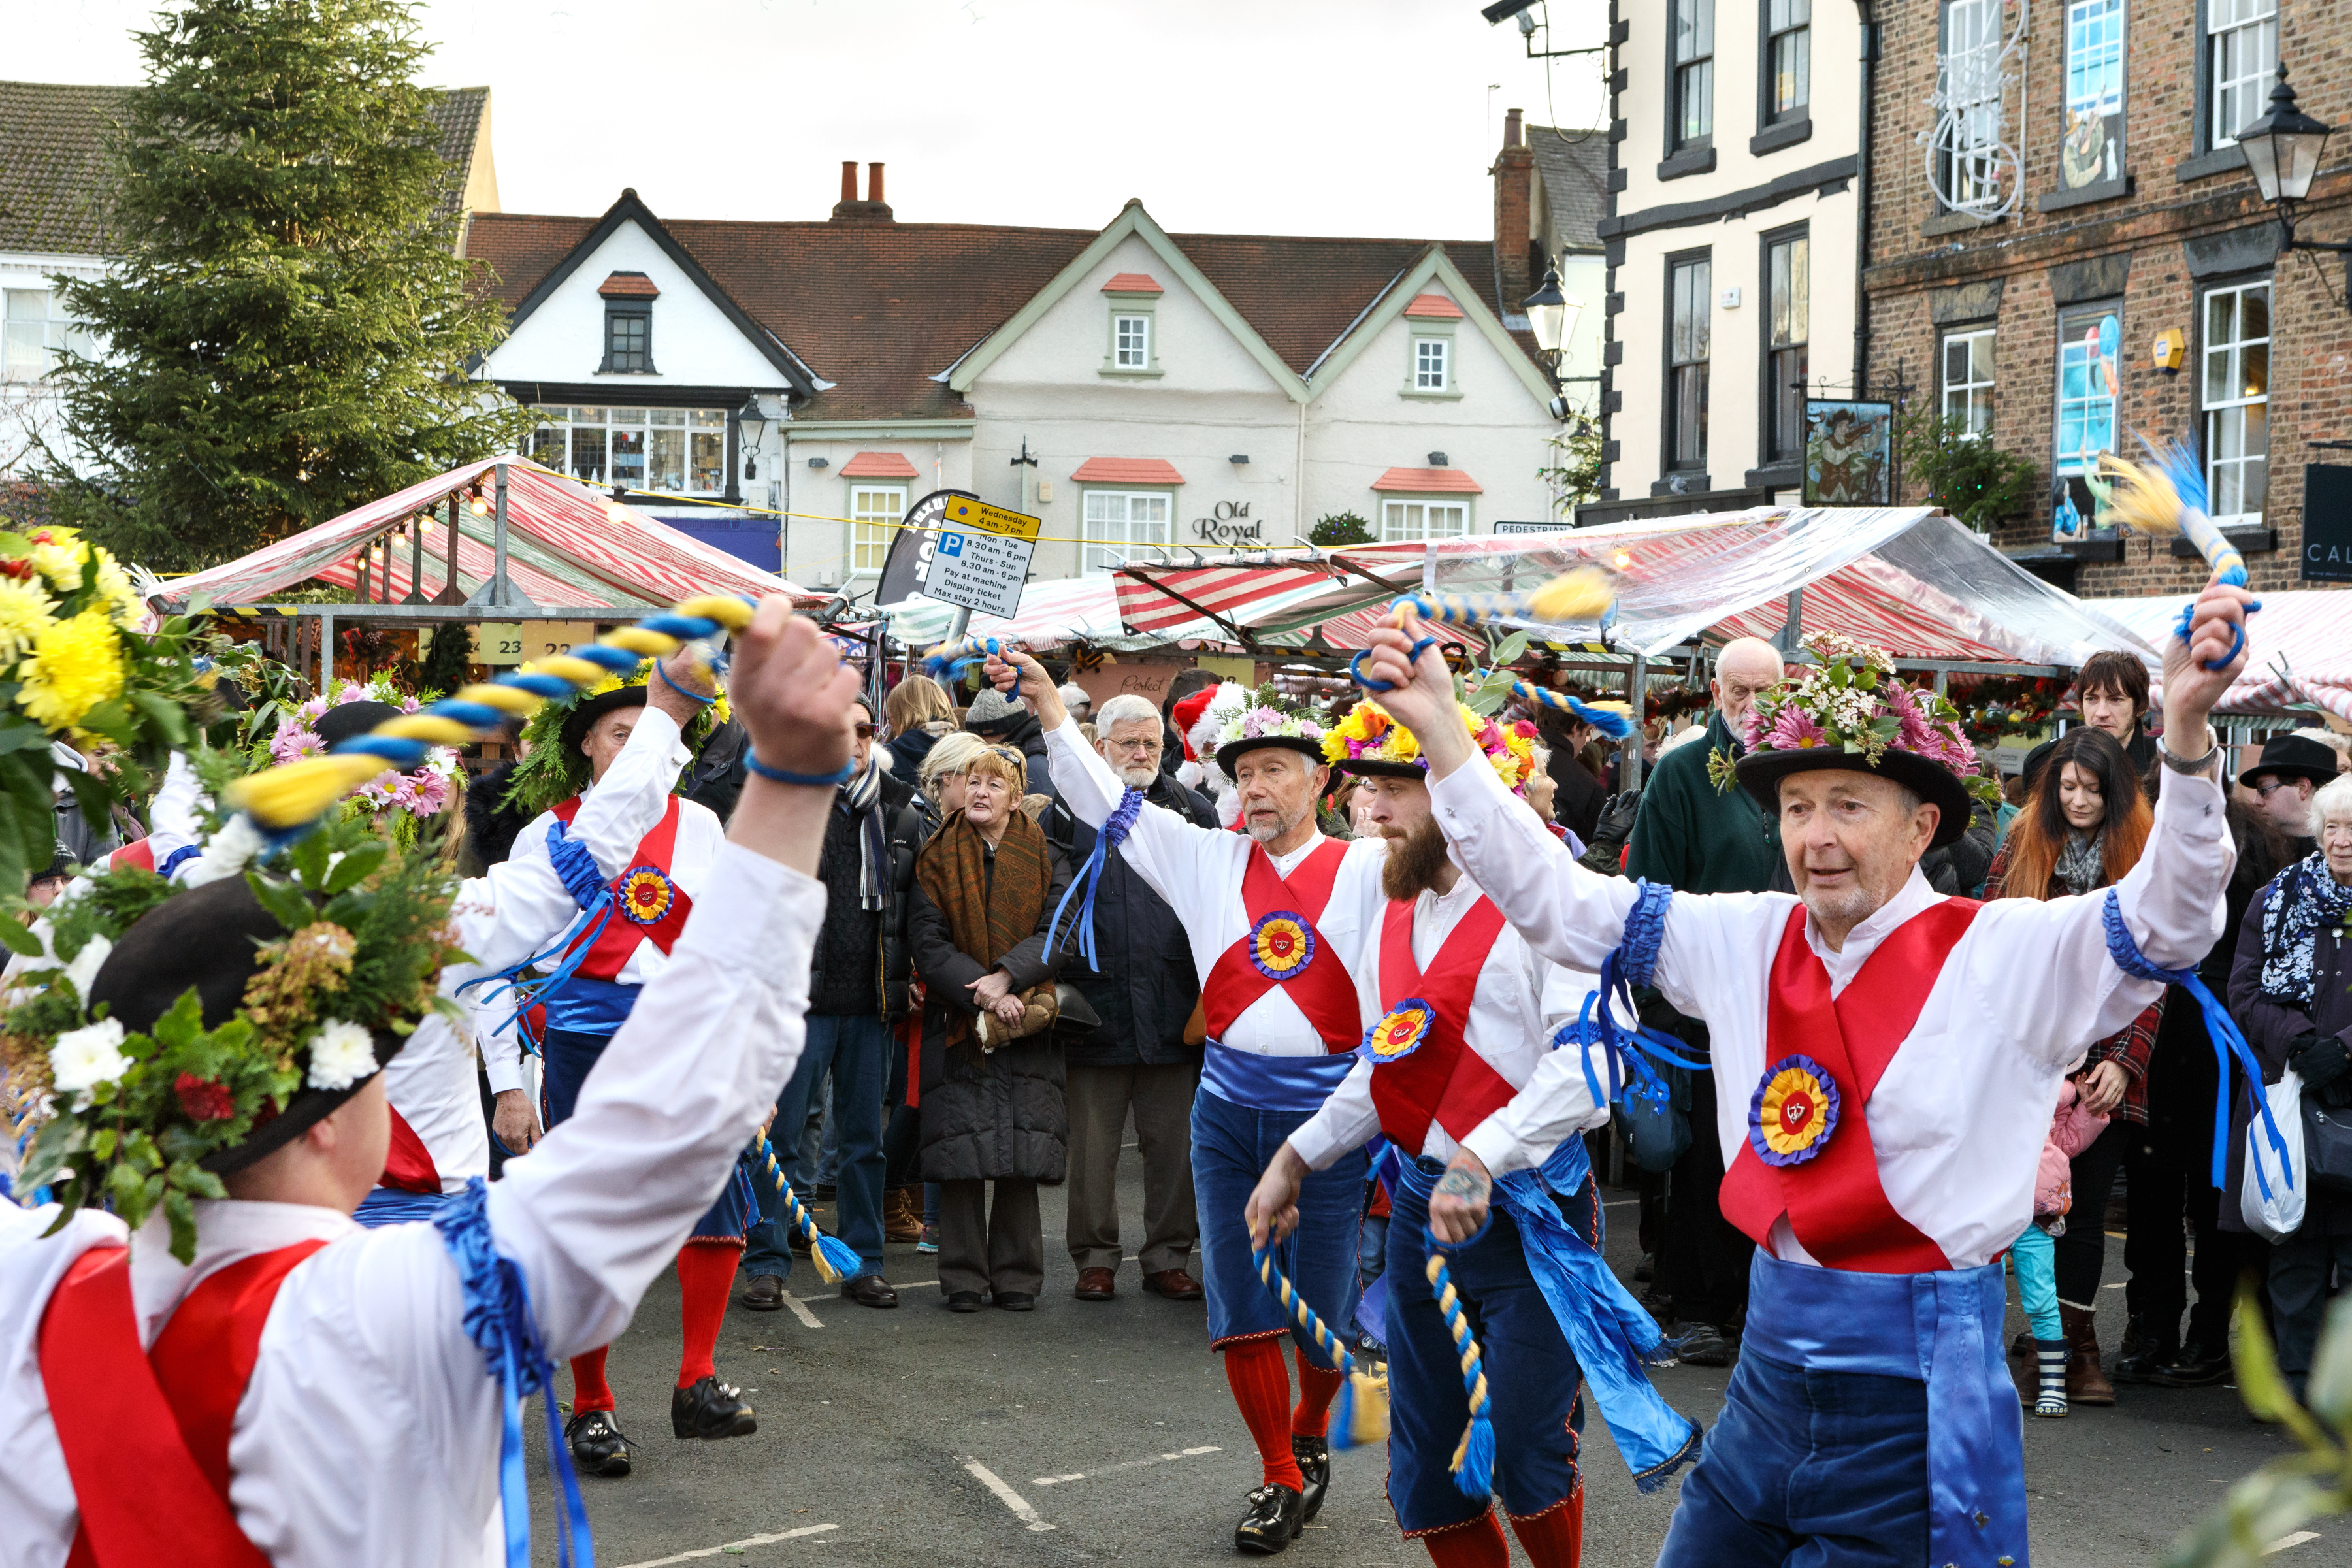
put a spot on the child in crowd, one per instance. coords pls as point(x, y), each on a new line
point(2034, 1257)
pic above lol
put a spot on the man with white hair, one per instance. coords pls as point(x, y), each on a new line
point(1277, 916)
point(1888, 1060)
point(1696, 839)
point(1141, 981)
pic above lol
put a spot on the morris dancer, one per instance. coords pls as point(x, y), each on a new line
point(1277, 916)
point(597, 983)
point(331, 1394)
point(1459, 1026)
point(1888, 1060)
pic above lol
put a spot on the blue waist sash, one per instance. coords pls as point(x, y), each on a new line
point(1609, 1331)
point(392, 1205)
point(1944, 1330)
point(1272, 1083)
point(591, 1006)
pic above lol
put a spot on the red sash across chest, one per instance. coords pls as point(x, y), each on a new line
point(1282, 915)
point(649, 904)
point(1835, 1203)
point(145, 1437)
point(141, 854)
point(1424, 1070)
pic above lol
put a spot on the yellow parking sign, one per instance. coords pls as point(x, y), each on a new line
point(964, 512)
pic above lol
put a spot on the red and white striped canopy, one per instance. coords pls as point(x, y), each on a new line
point(568, 547)
point(2299, 650)
point(1215, 603)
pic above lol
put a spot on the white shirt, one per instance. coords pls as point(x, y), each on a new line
point(369, 1433)
point(1199, 871)
point(172, 823)
point(1959, 1120)
point(1520, 998)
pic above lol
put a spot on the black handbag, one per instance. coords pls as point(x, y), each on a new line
point(2328, 1145)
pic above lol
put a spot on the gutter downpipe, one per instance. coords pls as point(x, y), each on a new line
point(1862, 201)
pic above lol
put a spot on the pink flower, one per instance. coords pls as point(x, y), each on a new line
point(295, 740)
point(1796, 731)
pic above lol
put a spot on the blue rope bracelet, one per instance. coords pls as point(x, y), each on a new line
point(682, 691)
point(786, 776)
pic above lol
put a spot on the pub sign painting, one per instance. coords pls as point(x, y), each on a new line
point(1848, 453)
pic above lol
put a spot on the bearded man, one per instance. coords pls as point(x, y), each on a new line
point(1461, 1014)
point(1277, 916)
point(1888, 1061)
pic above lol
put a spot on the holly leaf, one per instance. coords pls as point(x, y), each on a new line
point(181, 1026)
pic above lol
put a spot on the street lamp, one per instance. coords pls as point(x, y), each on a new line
point(751, 425)
point(2282, 151)
point(1550, 316)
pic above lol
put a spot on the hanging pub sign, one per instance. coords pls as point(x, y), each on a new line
point(1848, 453)
point(2327, 522)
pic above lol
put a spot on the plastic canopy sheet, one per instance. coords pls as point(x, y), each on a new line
point(1906, 579)
point(1051, 614)
point(2301, 642)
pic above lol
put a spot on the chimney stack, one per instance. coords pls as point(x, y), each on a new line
point(1513, 174)
point(849, 179)
point(874, 183)
point(873, 209)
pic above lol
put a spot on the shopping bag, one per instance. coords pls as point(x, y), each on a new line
point(2271, 1197)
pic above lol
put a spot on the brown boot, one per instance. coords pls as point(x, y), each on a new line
point(2086, 1382)
point(902, 1219)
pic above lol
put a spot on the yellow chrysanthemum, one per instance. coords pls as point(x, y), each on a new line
point(115, 590)
point(75, 666)
point(56, 554)
point(26, 612)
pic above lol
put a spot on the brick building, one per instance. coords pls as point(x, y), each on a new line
point(2056, 199)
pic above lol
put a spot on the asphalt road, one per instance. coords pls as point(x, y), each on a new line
point(1104, 1433)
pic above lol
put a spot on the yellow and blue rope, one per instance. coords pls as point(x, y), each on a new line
point(1584, 594)
point(1474, 1457)
point(835, 1258)
point(2164, 496)
point(1361, 1415)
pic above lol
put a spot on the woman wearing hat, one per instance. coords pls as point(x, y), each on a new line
point(1888, 1061)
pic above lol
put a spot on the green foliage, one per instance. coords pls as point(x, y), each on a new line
point(2285, 1494)
point(1340, 528)
point(1575, 467)
point(288, 329)
point(447, 659)
point(1967, 476)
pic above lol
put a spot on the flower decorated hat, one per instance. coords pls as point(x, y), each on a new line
point(1370, 743)
point(396, 800)
point(1848, 711)
point(555, 768)
point(1239, 720)
point(181, 1034)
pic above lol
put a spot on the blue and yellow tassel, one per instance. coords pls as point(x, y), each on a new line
point(1585, 593)
point(2163, 498)
point(1474, 1457)
point(1360, 1415)
point(835, 1258)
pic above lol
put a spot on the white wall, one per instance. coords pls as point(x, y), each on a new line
point(29, 415)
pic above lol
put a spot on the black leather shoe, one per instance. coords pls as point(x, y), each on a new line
point(2195, 1367)
point(870, 1290)
point(1660, 1305)
point(1016, 1302)
point(1272, 1522)
point(964, 1301)
point(1314, 1456)
point(764, 1294)
point(1704, 1344)
point(597, 1447)
point(2141, 1364)
point(798, 1242)
point(710, 1410)
point(1647, 1270)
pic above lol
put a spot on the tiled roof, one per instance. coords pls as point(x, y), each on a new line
point(52, 141)
point(629, 285)
point(1434, 307)
point(881, 309)
point(1127, 472)
point(1574, 168)
point(1429, 481)
point(1133, 284)
point(878, 466)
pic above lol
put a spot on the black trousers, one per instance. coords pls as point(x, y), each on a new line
point(2156, 1251)
point(2083, 1250)
point(1703, 1258)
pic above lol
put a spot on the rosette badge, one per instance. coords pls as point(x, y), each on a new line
point(1793, 1112)
point(1281, 945)
point(1402, 1032)
point(647, 896)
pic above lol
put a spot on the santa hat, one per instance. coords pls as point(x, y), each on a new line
point(1186, 714)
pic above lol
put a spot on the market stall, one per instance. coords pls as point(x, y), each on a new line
point(2301, 659)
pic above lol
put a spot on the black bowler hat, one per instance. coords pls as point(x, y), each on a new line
point(588, 709)
point(345, 720)
point(2293, 757)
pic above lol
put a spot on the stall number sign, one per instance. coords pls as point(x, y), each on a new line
point(497, 642)
point(981, 558)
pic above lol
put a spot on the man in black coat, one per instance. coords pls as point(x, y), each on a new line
point(1144, 989)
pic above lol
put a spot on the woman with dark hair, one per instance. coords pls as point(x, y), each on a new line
point(2082, 827)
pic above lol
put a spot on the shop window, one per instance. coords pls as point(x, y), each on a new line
point(1787, 284)
point(2235, 391)
point(2089, 339)
point(677, 451)
point(1968, 380)
point(874, 514)
point(1403, 520)
point(1122, 526)
point(1689, 288)
point(2241, 62)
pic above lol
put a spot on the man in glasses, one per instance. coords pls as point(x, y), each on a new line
point(2288, 773)
point(1143, 985)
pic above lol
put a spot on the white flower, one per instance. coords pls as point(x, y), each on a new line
point(85, 1058)
point(227, 853)
point(341, 1055)
point(84, 966)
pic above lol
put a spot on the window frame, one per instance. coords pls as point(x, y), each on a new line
point(2205, 289)
point(897, 489)
point(1996, 106)
point(716, 423)
point(1131, 305)
point(1424, 499)
point(1968, 332)
point(1688, 154)
point(1769, 116)
point(1768, 350)
point(616, 310)
point(2117, 145)
point(1420, 329)
point(60, 334)
point(2071, 319)
point(1087, 543)
point(1668, 401)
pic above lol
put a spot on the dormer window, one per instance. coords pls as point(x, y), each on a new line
point(628, 323)
point(1430, 321)
point(1134, 298)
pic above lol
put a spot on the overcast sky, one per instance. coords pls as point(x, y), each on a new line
point(1353, 117)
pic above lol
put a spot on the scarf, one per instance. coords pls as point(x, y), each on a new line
point(2303, 898)
point(2079, 865)
point(862, 795)
point(987, 917)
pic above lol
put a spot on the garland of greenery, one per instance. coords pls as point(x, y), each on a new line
point(551, 772)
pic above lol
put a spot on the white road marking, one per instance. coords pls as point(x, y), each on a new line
point(1129, 1465)
point(1006, 1495)
point(2284, 1541)
point(1622, 1203)
point(748, 1542)
point(799, 1310)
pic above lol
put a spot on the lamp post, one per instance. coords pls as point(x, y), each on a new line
point(1551, 316)
point(751, 425)
point(2282, 151)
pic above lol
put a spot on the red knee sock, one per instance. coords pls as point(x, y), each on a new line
point(589, 1389)
point(706, 1272)
point(1319, 1385)
point(1477, 1544)
point(1555, 1538)
point(1261, 1386)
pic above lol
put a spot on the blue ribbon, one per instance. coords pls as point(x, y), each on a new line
point(2229, 1043)
point(177, 858)
point(1107, 837)
point(499, 1320)
point(576, 868)
point(1628, 965)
